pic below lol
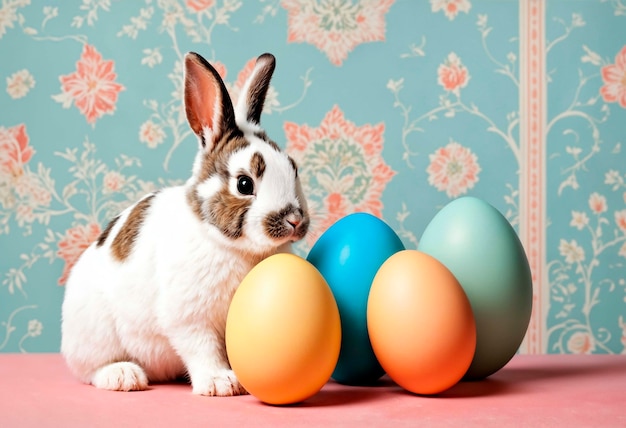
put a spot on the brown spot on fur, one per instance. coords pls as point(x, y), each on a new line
point(105, 233)
point(224, 211)
point(228, 212)
point(257, 165)
point(125, 239)
point(194, 202)
point(273, 145)
point(263, 136)
point(215, 162)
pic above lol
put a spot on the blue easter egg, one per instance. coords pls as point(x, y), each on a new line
point(480, 247)
point(348, 255)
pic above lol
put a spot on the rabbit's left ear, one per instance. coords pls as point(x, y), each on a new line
point(208, 106)
point(252, 96)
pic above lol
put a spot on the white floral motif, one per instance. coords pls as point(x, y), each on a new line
point(572, 252)
point(151, 133)
point(9, 14)
point(19, 83)
point(575, 332)
point(112, 181)
point(9, 328)
point(91, 16)
point(152, 57)
point(450, 8)
point(622, 251)
point(597, 203)
point(579, 220)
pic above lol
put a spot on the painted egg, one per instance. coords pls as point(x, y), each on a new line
point(420, 323)
point(283, 331)
point(348, 255)
point(482, 250)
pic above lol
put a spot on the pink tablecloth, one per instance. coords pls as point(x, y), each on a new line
point(531, 391)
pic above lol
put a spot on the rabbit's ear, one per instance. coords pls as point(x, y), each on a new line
point(252, 96)
point(207, 103)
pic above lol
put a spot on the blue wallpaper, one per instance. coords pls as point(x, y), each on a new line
point(521, 104)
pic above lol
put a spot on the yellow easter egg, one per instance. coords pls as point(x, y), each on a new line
point(283, 331)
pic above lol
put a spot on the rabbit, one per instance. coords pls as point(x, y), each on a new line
point(148, 300)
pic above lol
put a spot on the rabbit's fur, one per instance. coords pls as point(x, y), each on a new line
point(148, 300)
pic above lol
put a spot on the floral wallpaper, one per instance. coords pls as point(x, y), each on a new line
point(393, 107)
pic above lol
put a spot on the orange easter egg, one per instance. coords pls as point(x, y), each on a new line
point(420, 323)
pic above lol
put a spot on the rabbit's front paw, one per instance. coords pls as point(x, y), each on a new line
point(123, 376)
point(221, 383)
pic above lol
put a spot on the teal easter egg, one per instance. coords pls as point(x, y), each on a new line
point(480, 247)
point(348, 255)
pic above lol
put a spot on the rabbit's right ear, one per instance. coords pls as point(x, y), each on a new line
point(207, 103)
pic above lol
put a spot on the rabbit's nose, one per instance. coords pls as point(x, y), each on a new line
point(295, 218)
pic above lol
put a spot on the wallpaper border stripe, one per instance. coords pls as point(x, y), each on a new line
point(532, 200)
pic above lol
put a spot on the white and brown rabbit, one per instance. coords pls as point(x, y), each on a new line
point(148, 300)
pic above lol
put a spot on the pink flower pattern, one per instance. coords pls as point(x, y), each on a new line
point(151, 133)
point(620, 220)
point(112, 181)
point(336, 27)
point(198, 6)
point(453, 169)
point(15, 151)
point(597, 203)
point(614, 77)
point(580, 343)
point(450, 8)
point(73, 244)
point(92, 87)
point(341, 168)
point(452, 74)
point(29, 188)
point(19, 84)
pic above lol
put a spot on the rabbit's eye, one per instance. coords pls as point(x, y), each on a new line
point(245, 185)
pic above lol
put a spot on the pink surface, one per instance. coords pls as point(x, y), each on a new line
point(551, 390)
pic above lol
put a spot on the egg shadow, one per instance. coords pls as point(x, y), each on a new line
point(516, 379)
point(508, 380)
point(478, 388)
point(336, 394)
